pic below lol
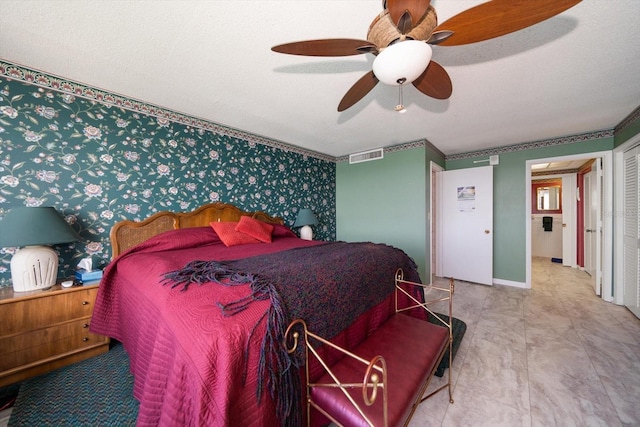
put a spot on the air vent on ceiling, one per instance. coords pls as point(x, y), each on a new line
point(366, 156)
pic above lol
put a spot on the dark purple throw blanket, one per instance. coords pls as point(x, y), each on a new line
point(327, 285)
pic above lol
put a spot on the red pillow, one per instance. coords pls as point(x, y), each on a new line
point(283, 231)
point(229, 236)
point(255, 228)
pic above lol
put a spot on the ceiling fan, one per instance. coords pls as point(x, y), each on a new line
point(401, 35)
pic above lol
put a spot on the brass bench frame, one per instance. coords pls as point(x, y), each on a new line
point(375, 378)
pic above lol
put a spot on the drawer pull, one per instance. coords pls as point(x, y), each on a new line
point(85, 339)
point(85, 302)
point(86, 325)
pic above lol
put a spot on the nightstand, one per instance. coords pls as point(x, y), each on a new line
point(46, 329)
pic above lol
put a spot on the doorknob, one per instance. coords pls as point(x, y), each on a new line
point(487, 231)
point(588, 230)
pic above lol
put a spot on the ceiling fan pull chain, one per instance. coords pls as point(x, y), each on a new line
point(400, 107)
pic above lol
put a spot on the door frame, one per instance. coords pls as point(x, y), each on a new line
point(618, 268)
point(570, 218)
point(435, 242)
point(593, 256)
point(607, 220)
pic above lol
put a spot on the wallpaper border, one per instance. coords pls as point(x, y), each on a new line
point(60, 84)
point(534, 144)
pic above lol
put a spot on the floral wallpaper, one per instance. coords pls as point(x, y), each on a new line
point(99, 162)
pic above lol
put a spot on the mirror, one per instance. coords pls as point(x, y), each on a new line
point(548, 198)
point(547, 194)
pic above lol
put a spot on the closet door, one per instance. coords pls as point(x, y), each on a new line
point(631, 251)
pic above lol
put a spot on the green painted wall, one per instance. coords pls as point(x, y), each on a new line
point(367, 195)
point(509, 244)
point(386, 201)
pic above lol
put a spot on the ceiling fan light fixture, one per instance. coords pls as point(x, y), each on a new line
point(403, 60)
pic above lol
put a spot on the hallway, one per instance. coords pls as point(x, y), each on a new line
point(554, 355)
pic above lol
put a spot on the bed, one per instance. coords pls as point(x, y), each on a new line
point(200, 301)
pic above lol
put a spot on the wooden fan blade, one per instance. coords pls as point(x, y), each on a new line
point(324, 47)
point(358, 90)
point(434, 82)
point(416, 9)
point(499, 17)
point(368, 49)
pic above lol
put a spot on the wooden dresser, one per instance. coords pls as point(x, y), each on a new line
point(44, 330)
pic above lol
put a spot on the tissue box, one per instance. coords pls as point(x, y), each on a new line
point(86, 277)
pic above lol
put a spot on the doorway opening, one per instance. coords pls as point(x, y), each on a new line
point(584, 229)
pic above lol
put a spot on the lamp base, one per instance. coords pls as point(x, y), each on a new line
point(34, 267)
point(306, 233)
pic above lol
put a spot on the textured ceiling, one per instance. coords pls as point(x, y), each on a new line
point(572, 74)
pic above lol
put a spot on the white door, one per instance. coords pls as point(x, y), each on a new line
point(466, 218)
point(631, 240)
point(569, 243)
point(589, 235)
point(592, 227)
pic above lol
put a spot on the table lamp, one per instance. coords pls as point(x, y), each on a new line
point(35, 266)
point(305, 219)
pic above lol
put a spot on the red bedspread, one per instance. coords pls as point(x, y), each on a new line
point(185, 355)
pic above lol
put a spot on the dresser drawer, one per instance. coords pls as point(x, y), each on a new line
point(32, 346)
point(43, 330)
point(23, 315)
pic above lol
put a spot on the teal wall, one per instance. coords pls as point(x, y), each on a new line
point(509, 244)
point(98, 163)
point(386, 201)
point(363, 188)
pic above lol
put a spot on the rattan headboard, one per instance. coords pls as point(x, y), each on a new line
point(126, 234)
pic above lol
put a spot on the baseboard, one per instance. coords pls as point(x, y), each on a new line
point(521, 285)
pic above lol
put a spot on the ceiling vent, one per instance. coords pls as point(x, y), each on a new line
point(366, 156)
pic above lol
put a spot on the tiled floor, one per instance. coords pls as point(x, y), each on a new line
point(554, 355)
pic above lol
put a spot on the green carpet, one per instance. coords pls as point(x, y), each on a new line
point(94, 392)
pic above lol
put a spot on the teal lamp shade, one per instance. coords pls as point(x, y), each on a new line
point(36, 266)
point(35, 226)
point(305, 219)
